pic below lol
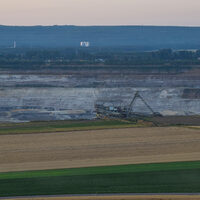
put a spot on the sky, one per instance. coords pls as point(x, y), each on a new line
point(100, 12)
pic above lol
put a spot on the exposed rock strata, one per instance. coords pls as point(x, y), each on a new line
point(73, 94)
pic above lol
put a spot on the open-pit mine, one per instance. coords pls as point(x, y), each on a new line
point(62, 94)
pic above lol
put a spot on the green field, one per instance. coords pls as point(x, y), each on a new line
point(60, 126)
point(179, 177)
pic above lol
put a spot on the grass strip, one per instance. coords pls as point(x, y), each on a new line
point(61, 126)
point(166, 181)
point(175, 177)
point(103, 170)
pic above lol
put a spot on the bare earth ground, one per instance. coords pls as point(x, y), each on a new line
point(98, 148)
point(145, 197)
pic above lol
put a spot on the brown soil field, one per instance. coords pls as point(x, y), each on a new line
point(145, 197)
point(98, 148)
point(176, 120)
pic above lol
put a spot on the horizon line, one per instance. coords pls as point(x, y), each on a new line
point(136, 25)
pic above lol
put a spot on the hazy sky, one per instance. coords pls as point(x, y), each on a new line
point(100, 12)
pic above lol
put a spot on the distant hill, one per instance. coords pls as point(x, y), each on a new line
point(140, 37)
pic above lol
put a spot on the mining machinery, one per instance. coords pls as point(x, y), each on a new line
point(138, 96)
point(123, 112)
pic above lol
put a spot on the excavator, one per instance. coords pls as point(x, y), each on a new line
point(123, 112)
point(138, 96)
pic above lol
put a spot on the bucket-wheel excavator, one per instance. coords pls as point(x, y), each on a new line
point(138, 96)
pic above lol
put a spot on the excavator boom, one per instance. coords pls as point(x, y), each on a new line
point(136, 96)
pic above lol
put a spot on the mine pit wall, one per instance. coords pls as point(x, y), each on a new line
point(30, 97)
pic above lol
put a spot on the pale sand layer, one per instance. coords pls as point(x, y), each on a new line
point(157, 197)
point(98, 148)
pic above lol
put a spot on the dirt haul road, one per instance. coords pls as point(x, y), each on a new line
point(144, 197)
point(98, 148)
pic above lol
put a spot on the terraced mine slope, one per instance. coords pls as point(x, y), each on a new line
point(72, 93)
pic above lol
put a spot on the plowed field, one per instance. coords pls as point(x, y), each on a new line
point(98, 148)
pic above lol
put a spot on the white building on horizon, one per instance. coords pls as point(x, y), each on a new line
point(85, 44)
